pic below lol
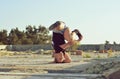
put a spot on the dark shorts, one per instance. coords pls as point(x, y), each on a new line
point(58, 49)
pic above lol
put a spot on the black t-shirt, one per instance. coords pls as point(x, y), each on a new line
point(58, 39)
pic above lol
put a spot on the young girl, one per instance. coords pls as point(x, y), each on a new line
point(60, 34)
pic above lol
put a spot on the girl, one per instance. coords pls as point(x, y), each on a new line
point(60, 34)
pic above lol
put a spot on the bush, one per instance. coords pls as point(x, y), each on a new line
point(86, 56)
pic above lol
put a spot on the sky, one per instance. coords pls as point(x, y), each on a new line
point(97, 20)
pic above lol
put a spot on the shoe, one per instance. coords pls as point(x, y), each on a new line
point(78, 34)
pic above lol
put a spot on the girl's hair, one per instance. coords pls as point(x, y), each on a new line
point(57, 23)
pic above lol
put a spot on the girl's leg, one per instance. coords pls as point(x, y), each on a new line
point(67, 58)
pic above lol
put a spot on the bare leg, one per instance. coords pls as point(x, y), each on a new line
point(67, 58)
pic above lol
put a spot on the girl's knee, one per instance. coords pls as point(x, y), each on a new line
point(67, 58)
point(67, 61)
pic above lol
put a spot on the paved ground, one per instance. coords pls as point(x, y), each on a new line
point(36, 66)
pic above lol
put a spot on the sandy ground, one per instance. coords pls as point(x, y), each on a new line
point(19, 65)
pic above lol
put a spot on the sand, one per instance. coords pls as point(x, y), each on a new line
point(22, 65)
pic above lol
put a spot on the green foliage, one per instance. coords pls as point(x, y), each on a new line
point(107, 42)
point(27, 41)
point(3, 37)
point(86, 56)
point(98, 56)
point(74, 47)
point(31, 35)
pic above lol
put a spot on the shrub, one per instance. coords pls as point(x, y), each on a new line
point(86, 56)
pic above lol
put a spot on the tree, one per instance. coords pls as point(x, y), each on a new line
point(32, 35)
point(20, 34)
point(38, 35)
point(43, 30)
point(3, 37)
point(107, 42)
point(114, 43)
point(26, 41)
point(13, 37)
point(29, 29)
point(42, 34)
point(107, 45)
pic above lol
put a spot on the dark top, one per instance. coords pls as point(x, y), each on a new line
point(58, 39)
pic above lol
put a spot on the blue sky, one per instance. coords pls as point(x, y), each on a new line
point(98, 20)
